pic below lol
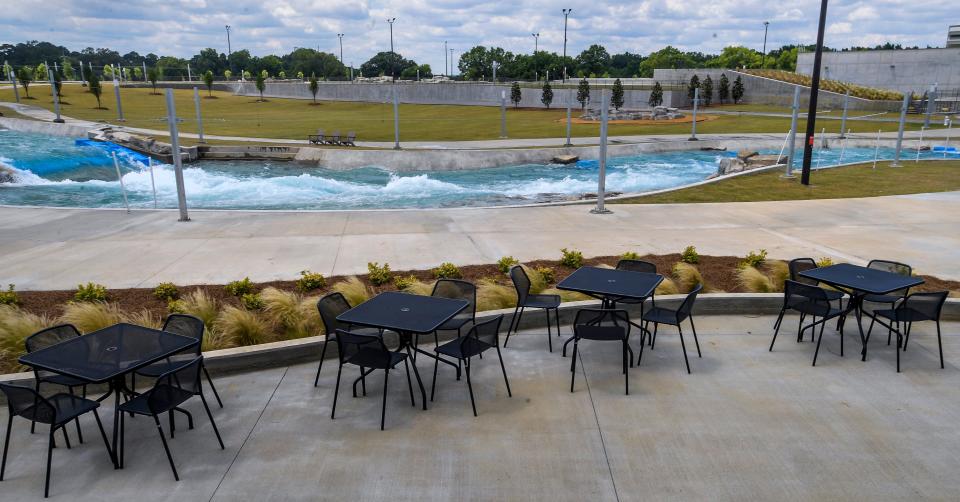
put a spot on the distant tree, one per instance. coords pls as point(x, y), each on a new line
point(208, 81)
point(656, 95)
point(583, 93)
point(137, 73)
point(153, 74)
point(706, 92)
point(25, 75)
point(67, 69)
point(515, 94)
point(246, 75)
point(425, 71)
point(694, 84)
point(264, 74)
point(723, 92)
point(546, 95)
point(616, 95)
point(93, 83)
point(261, 85)
point(40, 73)
point(300, 75)
point(593, 60)
point(227, 74)
point(108, 71)
point(314, 87)
point(6, 70)
point(282, 75)
point(737, 90)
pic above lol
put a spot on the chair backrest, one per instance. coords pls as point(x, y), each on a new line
point(320, 132)
point(925, 306)
point(335, 134)
point(687, 306)
point(376, 352)
point(521, 283)
point(185, 325)
point(637, 266)
point(352, 135)
point(894, 267)
point(26, 402)
point(798, 265)
point(175, 386)
point(51, 336)
point(486, 332)
point(588, 316)
point(458, 290)
point(331, 306)
point(809, 293)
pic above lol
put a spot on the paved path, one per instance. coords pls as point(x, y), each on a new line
point(59, 248)
point(746, 425)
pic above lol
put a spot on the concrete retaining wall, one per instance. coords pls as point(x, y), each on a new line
point(765, 91)
point(39, 127)
point(899, 70)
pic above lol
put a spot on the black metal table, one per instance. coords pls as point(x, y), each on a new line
point(858, 282)
point(407, 315)
point(107, 356)
point(611, 285)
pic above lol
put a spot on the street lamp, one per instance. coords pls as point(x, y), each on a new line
point(536, 41)
point(228, 49)
point(340, 36)
point(763, 59)
point(566, 14)
point(814, 90)
point(390, 22)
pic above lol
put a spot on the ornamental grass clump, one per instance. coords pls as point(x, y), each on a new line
point(667, 287)
point(199, 304)
point(243, 327)
point(686, 277)
point(754, 281)
point(15, 326)
point(142, 317)
point(779, 272)
point(493, 296)
point(354, 290)
point(290, 312)
point(91, 316)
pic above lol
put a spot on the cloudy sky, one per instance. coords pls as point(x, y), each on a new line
point(183, 27)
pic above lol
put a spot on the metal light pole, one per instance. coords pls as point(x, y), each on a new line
point(446, 64)
point(903, 121)
point(503, 114)
point(566, 14)
point(229, 49)
point(693, 124)
point(793, 132)
point(536, 42)
point(451, 62)
point(340, 36)
point(116, 91)
point(843, 118)
point(602, 181)
point(814, 90)
point(392, 69)
point(196, 105)
point(177, 161)
point(56, 96)
point(763, 59)
point(83, 80)
point(13, 80)
point(396, 119)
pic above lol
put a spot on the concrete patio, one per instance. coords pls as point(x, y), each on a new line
point(746, 425)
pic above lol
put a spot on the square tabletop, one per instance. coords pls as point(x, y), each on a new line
point(855, 277)
point(404, 312)
point(108, 353)
point(611, 282)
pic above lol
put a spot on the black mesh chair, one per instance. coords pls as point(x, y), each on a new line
point(890, 299)
point(796, 266)
point(46, 338)
point(169, 391)
point(55, 411)
point(812, 301)
point(331, 306)
point(457, 290)
point(525, 300)
point(189, 326)
point(481, 337)
point(660, 315)
point(589, 329)
point(915, 307)
point(369, 351)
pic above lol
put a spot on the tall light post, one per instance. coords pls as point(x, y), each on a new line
point(451, 61)
point(390, 22)
point(763, 59)
point(814, 90)
point(536, 42)
point(340, 36)
point(446, 64)
point(566, 14)
point(229, 52)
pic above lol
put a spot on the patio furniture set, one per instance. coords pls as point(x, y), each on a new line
point(61, 356)
point(333, 138)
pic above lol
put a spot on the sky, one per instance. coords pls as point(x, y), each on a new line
point(183, 27)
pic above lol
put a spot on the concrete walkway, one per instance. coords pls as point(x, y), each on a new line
point(59, 248)
point(746, 425)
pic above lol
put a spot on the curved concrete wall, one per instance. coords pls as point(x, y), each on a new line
point(909, 70)
point(36, 126)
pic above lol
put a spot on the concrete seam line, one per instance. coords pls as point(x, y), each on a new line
point(596, 416)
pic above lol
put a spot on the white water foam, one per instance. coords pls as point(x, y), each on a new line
point(22, 177)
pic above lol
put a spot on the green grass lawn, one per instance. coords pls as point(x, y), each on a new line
point(860, 180)
point(230, 115)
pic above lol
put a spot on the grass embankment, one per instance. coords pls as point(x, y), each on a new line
point(859, 180)
point(230, 115)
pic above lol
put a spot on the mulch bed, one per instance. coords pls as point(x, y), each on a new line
point(719, 273)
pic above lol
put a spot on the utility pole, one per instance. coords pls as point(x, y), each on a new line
point(566, 14)
point(340, 36)
point(763, 59)
point(229, 49)
point(446, 64)
point(392, 68)
point(814, 90)
point(451, 62)
point(536, 42)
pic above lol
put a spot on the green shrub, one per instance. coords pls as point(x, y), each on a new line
point(91, 292)
point(239, 288)
point(404, 282)
point(447, 270)
point(505, 263)
point(630, 255)
point(310, 281)
point(549, 277)
point(9, 297)
point(571, 258)
point(166, 291)
point(824, 261)
point(690, 255)
point(252, 301)
point(379, 275)
point(177, 307)
point(753, 259)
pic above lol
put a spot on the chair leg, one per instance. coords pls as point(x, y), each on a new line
point(653, 337)
point(800, 328)
point(103, 434)
point(504, 370)
point(214, 388)
point(906, 338)
point(6, 446)
point(513, 321)
point(695, 341)
point(77, 420)
point(433, 384)
point(573, 363)
point(323, 354)
point(841, 342)
point(122, 447)
point(166, 448)
point(66, 437)
point(336, 390)
point(409, 383)
point(939, 344)
point(626, 372)
point(36, 387)
point(549, 338)
point(899, 344)
point(684, 346)
point(173, 423)
point(470, 387)
point(383, 409)
point(820, 339)
point(46, 486)
point(212, 422)
point(556, 319)
point(776, 328)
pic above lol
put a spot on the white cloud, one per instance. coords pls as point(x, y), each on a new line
point(839, 28)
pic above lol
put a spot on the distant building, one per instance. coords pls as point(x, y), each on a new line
point(906, 70)
point(953, 36)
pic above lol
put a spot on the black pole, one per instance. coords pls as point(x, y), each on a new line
point(814, 90)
